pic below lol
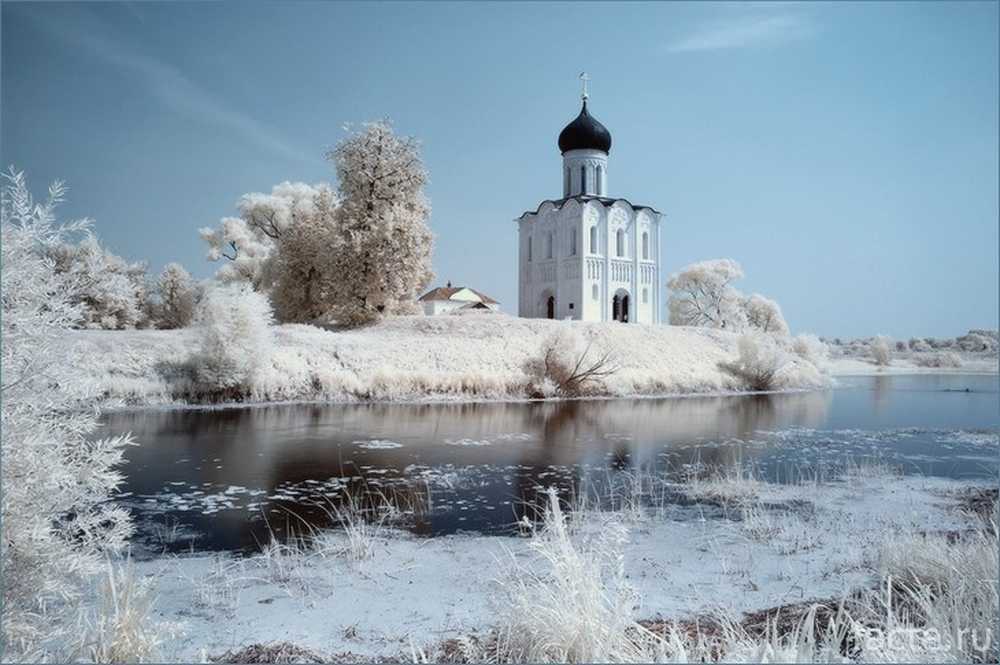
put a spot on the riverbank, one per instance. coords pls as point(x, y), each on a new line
point(460, 358)
point(762, 546)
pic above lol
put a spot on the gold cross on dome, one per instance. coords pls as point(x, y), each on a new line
point(584, 78)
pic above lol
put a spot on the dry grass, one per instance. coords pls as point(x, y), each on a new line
point(272, 652)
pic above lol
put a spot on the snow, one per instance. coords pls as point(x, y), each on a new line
point(855, 366)
point(418, 358)
point(821, 541)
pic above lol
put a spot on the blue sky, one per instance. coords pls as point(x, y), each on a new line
point(845, 154)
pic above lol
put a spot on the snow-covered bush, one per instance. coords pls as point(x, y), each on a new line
point(234, 328)
point(178, 294)
point(384, 260)
point(57, 524)
point(764, 314)
point(760, 362)
point(918, 345)
point(566, 366)
point(812, 349)
point(938, 359)
point(702, 295)
point(880, 351)
point(111, 290)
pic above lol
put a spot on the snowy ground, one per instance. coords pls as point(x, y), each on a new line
point(794, 543)
point(479, 357)
point(859, 366)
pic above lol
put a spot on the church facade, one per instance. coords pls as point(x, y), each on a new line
point(589, 256)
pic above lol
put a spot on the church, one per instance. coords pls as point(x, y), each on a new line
point(589, 256)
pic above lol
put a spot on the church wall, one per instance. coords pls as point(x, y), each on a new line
point(571, 277)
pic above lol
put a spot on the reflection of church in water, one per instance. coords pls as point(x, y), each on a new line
point(588, 256)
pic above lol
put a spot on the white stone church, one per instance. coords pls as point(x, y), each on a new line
point(589, 256)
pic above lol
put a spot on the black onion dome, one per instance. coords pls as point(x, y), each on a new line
point(585, 133)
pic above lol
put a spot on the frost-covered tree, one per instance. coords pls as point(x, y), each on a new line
point(55, 519)
point(305, 263)
point(111, 290)
point(702, 294)
point(384, 258)
point(764, 314)
point(880, 350)
point(178, 294)
point(246, 244)
point(233, 323)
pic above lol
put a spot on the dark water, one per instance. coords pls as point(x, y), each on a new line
point(225, 479)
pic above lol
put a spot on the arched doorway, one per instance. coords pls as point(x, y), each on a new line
point(620, 306)
point(547, 304)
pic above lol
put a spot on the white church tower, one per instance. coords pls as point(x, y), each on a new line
point(589, 256)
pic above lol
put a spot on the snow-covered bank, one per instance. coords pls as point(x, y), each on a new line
point(787, 544)
point(480, 357)
point(854, 366)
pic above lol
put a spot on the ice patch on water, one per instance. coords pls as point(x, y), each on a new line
point(377, 444)
point(468, 442)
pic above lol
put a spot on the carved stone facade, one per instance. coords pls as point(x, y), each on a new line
point(590, 259)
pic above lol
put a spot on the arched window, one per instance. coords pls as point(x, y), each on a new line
point(548, 246)
point(529, 248)
point(645, 296)
point(583, 179)
point(594, 292)
point(593, 240)
point(572, 241)
point(600, 180)
point(566, 181)
point(645, 245)
point(620, 242)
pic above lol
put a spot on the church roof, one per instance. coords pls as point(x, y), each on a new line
point(585, 133)
point(446, 292)
point(606, 201)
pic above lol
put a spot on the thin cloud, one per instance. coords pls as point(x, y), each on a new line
point(744, 33)
point(168, 84)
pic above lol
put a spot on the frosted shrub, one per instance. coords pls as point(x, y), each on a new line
point(567, 366)
point(919, 345)
point(939, 359)
point(57, 523)
point(880, 351)
point(760, 362)
point(233, 323)
point(811, 349)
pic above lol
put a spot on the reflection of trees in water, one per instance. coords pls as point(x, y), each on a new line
point(881, 387)
point(267, 447)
